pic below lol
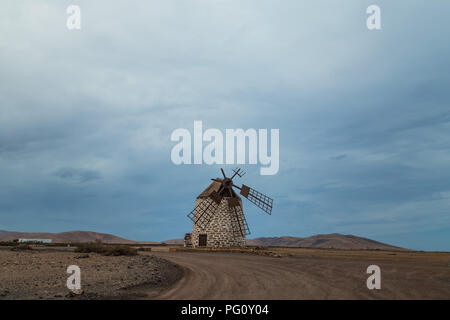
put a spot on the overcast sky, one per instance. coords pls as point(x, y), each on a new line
point(364, 116)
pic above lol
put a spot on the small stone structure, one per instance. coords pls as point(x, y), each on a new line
point(187, 240)
point(225, 226)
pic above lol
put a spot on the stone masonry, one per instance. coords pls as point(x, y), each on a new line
point(224, 228)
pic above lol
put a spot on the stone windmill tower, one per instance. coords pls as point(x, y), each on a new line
point(218, 217)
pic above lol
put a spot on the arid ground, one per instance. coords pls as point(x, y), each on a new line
point(41, 274)
point(309, 274)
point(274, 273)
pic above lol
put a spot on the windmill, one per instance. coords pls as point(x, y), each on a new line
point(218, 217)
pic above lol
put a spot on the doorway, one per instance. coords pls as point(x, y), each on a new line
point(202, 240)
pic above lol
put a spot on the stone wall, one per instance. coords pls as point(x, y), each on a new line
point(223, 229)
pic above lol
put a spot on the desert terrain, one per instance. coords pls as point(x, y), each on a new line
point(40, 273)
point(297, 273)
point(274, 273)
point(162, 271)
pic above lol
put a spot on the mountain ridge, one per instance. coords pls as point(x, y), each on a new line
point(69, 236)
point(326, 241)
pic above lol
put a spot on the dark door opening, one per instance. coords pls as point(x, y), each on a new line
point(202, 239)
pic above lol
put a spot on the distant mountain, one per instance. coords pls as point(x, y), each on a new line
point(330, 241)
point(275, 241)
point(174, 241)
point(71, 236)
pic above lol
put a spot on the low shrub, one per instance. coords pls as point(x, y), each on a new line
point(261, 248)
point(88, 247)
point(21, 247)
point(106, 250)
point(120, 251)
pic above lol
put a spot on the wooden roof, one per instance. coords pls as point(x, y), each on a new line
point(214, 186)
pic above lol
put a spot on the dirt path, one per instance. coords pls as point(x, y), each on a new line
point(217, 275)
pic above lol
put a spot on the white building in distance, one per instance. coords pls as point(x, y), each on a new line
point(36, 240)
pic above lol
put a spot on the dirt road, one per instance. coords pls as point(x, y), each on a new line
point(218, 275)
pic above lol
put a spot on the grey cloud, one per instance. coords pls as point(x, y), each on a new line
point(338, 157)
point(86, 117)
point(77, 175)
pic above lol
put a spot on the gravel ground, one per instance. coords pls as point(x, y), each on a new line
point(41, 274)
point(308, 274)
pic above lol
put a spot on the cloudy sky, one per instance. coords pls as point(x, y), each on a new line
point(364, 116)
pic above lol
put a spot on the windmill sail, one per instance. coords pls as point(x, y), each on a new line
point(204, 211)
point(241, 227)
point(262, 201)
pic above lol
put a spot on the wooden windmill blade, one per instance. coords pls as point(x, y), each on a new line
point(238, 172)
point(262, 201)
point(241, 227)
point(204, 211)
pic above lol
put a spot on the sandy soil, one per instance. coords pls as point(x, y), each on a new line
point(41, 274)
point(308, 274)
point(287, 273)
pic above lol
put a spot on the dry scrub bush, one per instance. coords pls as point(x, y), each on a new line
point(106, 250)
point(21, 247)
